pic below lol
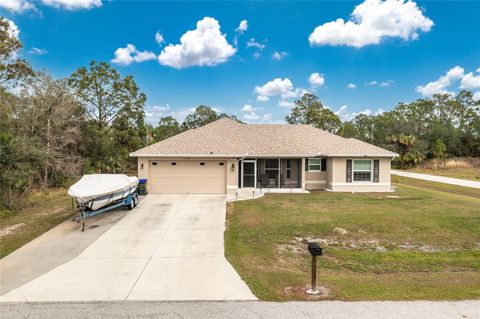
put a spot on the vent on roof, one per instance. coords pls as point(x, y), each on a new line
point(202, 163)
point(221, 164)
point(154, 163)
point(173, 163)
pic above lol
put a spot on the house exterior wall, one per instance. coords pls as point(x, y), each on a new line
point(333, 179)
point(316, 180)
point(142, 165)
point(336, 177)
point(232, 176)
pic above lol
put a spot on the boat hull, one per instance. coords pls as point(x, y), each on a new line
point(95, 191)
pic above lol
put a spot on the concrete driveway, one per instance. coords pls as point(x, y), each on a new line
point(439, 179)
point(169, 248)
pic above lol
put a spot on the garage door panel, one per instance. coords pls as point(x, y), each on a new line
point(187, 177)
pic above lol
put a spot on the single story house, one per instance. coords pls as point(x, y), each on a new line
point(226, 156)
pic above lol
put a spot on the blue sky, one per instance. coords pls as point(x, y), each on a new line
point(388, 52)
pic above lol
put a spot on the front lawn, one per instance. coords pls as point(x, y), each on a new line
point(421, 242)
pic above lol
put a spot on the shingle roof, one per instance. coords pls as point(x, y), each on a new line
point(228, 138)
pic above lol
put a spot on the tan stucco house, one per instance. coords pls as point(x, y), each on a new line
point(227, 156)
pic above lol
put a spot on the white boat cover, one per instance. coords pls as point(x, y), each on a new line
point(95, 185)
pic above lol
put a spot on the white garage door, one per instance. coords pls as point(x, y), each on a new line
point(187, 176)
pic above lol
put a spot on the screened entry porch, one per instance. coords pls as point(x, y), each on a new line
point(270, 173)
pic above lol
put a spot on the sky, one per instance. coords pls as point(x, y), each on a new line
point(253, 59)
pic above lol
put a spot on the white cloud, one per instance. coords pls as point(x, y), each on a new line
point(204, 46)
point(253, 117)
point(73, 4)
point(12, 29)
point(279, 87)
point(386, 83)
point(248, 108)
point(262, 98)
point(159, 38)
point(154, 113)
point(19, 6)
point(345, 115)
point(441, 85)
point(316, 79)
point(381, 84)
point(252, 43)
point(129, 54)
point(242, 27)
point(371, 21)
point(470, 81)
point(351, 86)
point(257, 46)
point(16, 5)
point(279, 55)
point(37, 51)
point(286, 103)
point(476, 96)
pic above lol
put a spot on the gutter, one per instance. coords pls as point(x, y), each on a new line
point(243, 156)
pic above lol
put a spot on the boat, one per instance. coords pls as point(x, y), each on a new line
point(94, 191)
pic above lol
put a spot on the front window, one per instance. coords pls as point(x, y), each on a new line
point(362, 170)
point(314, 164)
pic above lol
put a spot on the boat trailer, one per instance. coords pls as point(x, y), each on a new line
point(130, 202)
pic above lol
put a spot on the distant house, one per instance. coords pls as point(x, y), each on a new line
point(226, 156)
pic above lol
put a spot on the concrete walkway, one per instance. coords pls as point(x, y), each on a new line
point(169, 248)
point(440, 179)
point(247, 309)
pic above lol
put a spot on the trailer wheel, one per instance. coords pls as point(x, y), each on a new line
point(130, 206)
point(135, 201)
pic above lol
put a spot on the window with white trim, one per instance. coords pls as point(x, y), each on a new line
point(362, 170)
point(314, 164)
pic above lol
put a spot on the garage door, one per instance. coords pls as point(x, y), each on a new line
point(187, 176)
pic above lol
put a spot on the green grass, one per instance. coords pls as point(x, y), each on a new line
point(44, 210)
point(470, 173)
point(425, 244)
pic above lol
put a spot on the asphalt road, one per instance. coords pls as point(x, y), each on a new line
point(245, 309)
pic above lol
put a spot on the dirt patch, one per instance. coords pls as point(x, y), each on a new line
point(392, 196)
point(298, 246)
point(340, 231)
point(423, 248)
point(10, 229)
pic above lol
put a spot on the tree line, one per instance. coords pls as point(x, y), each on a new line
point(436, 127)
point(53, 130)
